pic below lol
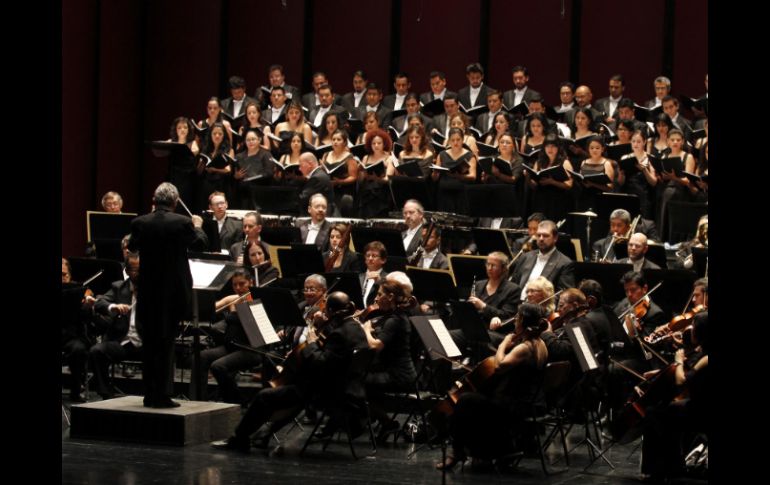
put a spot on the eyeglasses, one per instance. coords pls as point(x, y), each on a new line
point(311, 290)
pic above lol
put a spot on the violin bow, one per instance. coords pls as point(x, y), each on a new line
point(639, 301)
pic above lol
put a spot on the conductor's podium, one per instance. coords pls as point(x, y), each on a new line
point(126, 419)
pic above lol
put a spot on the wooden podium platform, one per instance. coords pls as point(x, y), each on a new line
point(126, 419)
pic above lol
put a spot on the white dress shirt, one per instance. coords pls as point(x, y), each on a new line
point(474, 94)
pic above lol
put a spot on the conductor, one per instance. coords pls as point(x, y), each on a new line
point(164, 291)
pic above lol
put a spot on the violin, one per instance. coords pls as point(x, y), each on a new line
point(677, 324)
point(557, 320)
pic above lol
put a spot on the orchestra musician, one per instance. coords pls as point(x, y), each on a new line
point(637, 248)
point(252, 227)
point(345, 259)
point(635, 286)
point(414, 219)
point(669, 426)
point(226, 360)
point(112, 202)
point(485, 424)
point(546, 261)
point(431, 256)
point(121, 340)
point(74, 338)
point(620, 226)
point(389, 335)
point(228, 227)
point(322, 374)
point(375, 256)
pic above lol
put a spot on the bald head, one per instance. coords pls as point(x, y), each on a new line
point(338, 303)
point(583, 96)
point(307, 163)
point(637, 246)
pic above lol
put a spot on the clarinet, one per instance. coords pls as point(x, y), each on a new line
point(473, 288)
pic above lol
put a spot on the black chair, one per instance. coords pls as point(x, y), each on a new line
point(344, 409)
point(554, 388)
point(683, 219)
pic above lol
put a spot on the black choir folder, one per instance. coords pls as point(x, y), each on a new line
point(163, 149)
point(503, 166)
point(410, 167)
point(377, 168)
point(597, 178)
point(556, 172)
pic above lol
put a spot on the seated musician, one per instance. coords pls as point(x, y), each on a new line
point(432, 257)
point(603, 320)
point(533, 221)
point(698, 303)
point(252, 227)
point(75, 340)
point(259, 265)
point(495, 298)
point(670, 424)
point(375, 256)
point(322, 374)
point(485, 424)
point(229, 228)
point(112, 202)
point(620, 224)
point(637, 248)
point(226, 360)
point(546, 261)
point(121, 340)
point(346, 260)
point(389, 335)
point(635, 287)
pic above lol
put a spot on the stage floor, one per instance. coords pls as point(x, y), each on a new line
point(102, 462)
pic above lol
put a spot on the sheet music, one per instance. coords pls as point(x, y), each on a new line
point(203, 273)
point(263, 323)
point(450, 349)
point(585, 348)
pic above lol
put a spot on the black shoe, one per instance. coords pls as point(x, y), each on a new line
point(165, 402)
point(232, 443)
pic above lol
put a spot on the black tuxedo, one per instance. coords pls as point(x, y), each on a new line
point(348, 102)
point(647, 264)
point(439, 262)
point(383, 114)
point(439, 122)
point(510, 95)
point(603, 106)
point(684, 125)
point(291, 92)
point(164, 291)
point(309, 101)
point(390, 101)
point(332, 109)
point(231, 233)
point(227, 105)
point(322, 239)
point(559, 269)
point(375, 288)
point(109, 349)
point(318, 183)
point(483, 120)
point(414, 243)
point(426, 98)
point(464, 96)
point(400, 123)
point(267, 114)
point(569, 116)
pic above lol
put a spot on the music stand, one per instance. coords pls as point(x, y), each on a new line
point(211, 229)
point(466, 268)
point(435, 337)
point(454, 240)
point(492, 200)
point(281, 236)
point(565, 245)
point(256, 323)
point(106, 230)
point(677, 287)
point(655, 253)
point(488, 240)
point(279, 305)
point(432, 284)
point(300, 259)
point(390, 238)
point(277, 200)
point(347, 283)
point(84, 268)
point(208, 275)
point(403, 188)
point(608, 275)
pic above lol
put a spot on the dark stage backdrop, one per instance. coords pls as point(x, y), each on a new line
point(129, 67)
